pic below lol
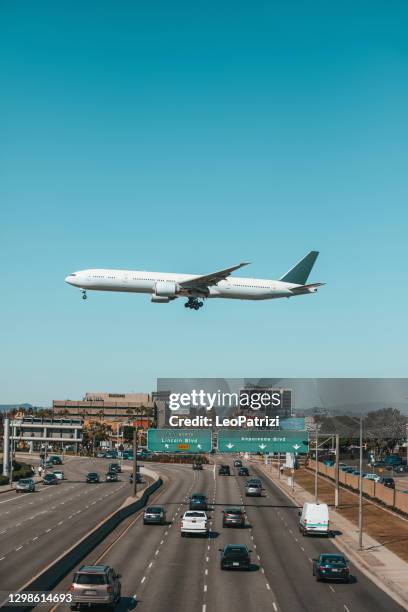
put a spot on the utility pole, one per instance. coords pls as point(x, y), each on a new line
point(317, 465)
point(360, 496)
point(135, 461)
point(6, 446)
point(336, 473)
point(279, 474)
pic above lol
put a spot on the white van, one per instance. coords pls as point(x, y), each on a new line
point(314, 519)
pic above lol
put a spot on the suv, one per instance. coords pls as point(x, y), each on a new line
point(233, 517)
point(198, 501)
point(243, 471)
point(154, 515)
point(25, 485)
point(112, 477)
point(224, 470)
point(95, 585)
point(235, 556)
point(387, 482)
point(197, 466)
point(92, 477)
point(237, 463)
point(55, 460)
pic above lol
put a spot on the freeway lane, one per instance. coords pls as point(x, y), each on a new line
point(287, 558)
point(37, 527)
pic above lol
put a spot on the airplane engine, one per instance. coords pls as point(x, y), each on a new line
point(160, 299)
point(166, 288)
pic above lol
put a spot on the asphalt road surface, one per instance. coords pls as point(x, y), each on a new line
point(35, 528)
point(162, 571)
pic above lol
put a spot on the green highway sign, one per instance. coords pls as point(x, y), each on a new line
point(179, 440)
point(262, 441)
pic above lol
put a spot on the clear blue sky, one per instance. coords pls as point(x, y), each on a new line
point(188, 136)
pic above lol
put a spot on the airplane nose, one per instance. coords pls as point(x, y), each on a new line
point(67, 279)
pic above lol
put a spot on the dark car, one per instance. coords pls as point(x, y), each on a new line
point(235, 556)
point(112, 477)
point(243, 471)
point(224, 470)
point(115, 467)
point(233, 517)
point(331, 567)
point(197, 466)
point(237, 463)
point(92, 477)
point(387, 482)
point(50, 479)
point(401, 468)
point(55, 460)
point(198, 501)
point(154, 515)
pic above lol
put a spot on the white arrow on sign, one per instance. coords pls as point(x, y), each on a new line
point(198, 445)
point(262, 446)
point(166, 446)
point(229, 445)
point(295, 446)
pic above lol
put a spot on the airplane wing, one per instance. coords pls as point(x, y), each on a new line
point(202, 282)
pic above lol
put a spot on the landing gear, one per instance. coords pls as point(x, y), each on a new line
point(194, 303)
point(84, 296)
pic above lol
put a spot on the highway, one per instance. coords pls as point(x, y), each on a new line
point(162, 571)
point(35, 528)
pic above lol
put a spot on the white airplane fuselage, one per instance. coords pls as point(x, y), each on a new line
point(167, 284)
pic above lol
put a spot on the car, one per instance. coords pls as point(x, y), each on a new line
point(224, 470)
point(154, 515)
point(197, 466)
point(95, 585)
point(127, 455)
point(111, 477)
point(198, 501)
point(255, 481)
point(194, 522)
point(59, 474)
point(25, 485)
point(401, 468)
point(387, 482)
point(100, 455)
point(372, 476)
point(331, 567)
point(235, 556)
point(237, 463)
point(50, 479)
point(114, 467)
point(233, 517)
point(56, 460)
point(253, 489)
point(92, 478)
point(243, 471)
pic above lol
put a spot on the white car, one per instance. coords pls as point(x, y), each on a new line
point(194, 522)
point(59, 474)
point(372, 476)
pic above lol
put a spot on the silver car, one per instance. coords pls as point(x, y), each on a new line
point(25, 485)
point(95, 585)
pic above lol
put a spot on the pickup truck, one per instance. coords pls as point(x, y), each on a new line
point(194, 522)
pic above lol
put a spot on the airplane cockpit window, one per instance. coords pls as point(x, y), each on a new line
point(73, 274)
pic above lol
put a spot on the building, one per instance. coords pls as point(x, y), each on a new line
point(36, 431)
point(108, 407)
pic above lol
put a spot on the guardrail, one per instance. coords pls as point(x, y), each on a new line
point(56, 571)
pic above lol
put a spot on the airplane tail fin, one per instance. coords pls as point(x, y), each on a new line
point(300, 272)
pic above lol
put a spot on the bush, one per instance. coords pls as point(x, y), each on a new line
point(21, 470)
point(4, 480)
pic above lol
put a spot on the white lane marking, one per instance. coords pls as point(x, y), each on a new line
point(47, 530)
point(5, 531)
point(207, 559)
point(275, 607)
point(262, 570)
point(208, 547)
point(302, 548)
point(205, 588)
point(60, 523)
point(346, 608)
point(161, 542)
point(268, 587)
point(150, 564)
point(18, 524)
point(36, 538)
point(143, 579)
point(311, 560)
point(331, 588)
point(206, 572)
point(204, 607)
point(1, 558)
point(157, 552)
point(19, 548)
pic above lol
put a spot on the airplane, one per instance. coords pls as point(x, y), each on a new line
point(164, 287)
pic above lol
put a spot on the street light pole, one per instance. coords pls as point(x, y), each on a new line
point(135, 461)
point(336, 473)
point(360, 496)
point(316, 466)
